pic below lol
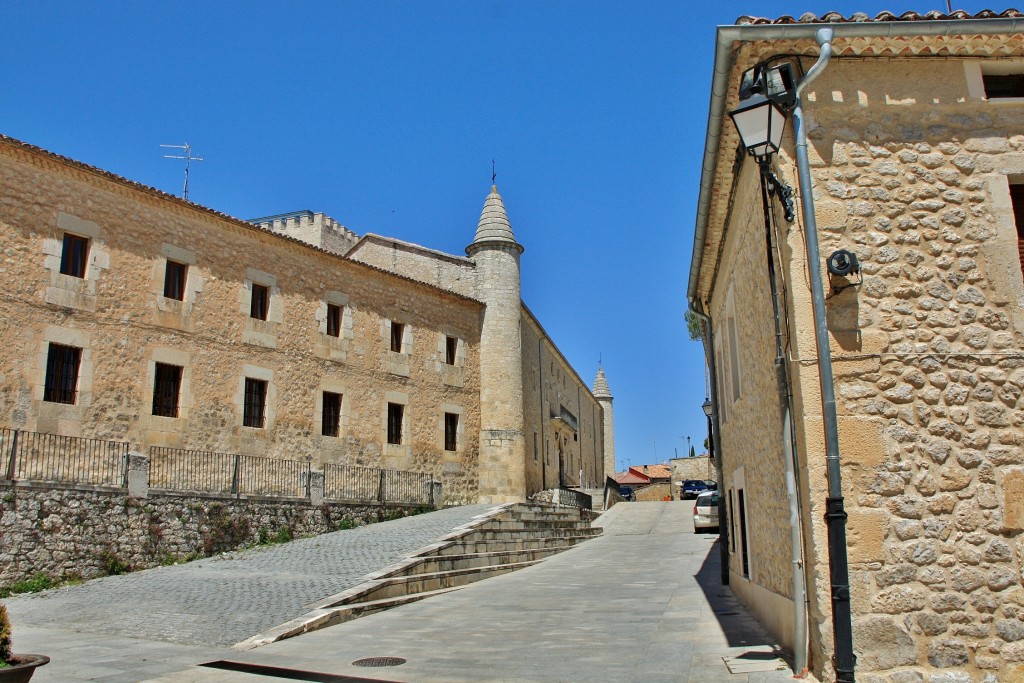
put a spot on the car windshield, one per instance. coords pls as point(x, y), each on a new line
point(707, 501)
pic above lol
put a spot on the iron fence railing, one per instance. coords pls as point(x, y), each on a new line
point(67, 459)
point(179, 469)
point(374, 485)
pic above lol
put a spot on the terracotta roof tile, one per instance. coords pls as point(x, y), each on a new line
point(837, 18)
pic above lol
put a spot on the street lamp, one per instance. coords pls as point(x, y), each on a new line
point(760, 123)
point(706, 407)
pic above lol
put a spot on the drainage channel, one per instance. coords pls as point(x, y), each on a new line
point(299, 675)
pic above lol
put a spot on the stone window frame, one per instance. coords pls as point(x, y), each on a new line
point(460, 427)
point(270, 407)
point(341, 300)
point(178, 308)
point(70, 291)
point(739, 486)
point(1004, 251)
point(397, 362)
point(333, 385)
point(168, 356)
point(975, 71)
point(452, 373)
point(403, 449)
point(54, 334)
point(63, 366)
point(256, 331)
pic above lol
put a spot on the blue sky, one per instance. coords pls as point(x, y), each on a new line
point(386, 115)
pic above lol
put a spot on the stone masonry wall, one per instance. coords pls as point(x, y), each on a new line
point(81, 532)
point(912, 174)
point(124, 325)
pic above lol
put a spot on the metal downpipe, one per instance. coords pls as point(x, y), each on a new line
point(843, 658)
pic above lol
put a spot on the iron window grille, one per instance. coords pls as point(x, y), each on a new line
point(255, 408)
point(61, 383)
point(260, 302)
point(174, 280)
point(1017, 201)
point(1001, 86)
point(396, 413)
point(166, 390)
point(333, 320)
point(331, 423)
point(397, 329)
point(74, 255)
point(451, 431)
point(451, 346)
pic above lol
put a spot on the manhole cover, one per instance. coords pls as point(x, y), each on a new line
point(379, 661)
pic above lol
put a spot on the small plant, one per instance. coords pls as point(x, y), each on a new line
point(345, 524)
point(38, 582)
point(112, 564)
point(5, 637)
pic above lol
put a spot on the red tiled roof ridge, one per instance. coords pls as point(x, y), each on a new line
point(837, 18)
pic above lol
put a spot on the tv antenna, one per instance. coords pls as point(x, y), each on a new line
point(188, 161)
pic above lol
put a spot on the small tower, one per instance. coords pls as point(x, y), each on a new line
point(502, 467)
point(604, 397)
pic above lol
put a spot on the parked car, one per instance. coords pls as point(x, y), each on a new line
point(626, 493)
point(693, 487)
point(705, 511)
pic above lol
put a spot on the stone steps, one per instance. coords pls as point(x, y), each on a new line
point(511, 537)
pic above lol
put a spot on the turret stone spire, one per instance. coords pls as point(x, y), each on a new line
point(493, 226)
point(604, 396)
point(601, 389)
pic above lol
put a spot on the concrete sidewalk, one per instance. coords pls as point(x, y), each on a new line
point(641, 603)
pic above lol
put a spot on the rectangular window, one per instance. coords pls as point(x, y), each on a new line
point(260, 302)
point(451, 431)
point(745, 563)
point(535, 446)
point(396, 336)
point(61, 384)
point(166, 389)
point(1003, 85)
point(734, 359)
point(731, 515)
point(1017, 197)
point(396, 411)
point(74, 255)
point(451, 346)
point(255, 408)
point(333, 320)
point(174, 280)
point(330, 425)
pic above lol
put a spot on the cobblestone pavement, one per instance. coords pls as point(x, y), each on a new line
point(223, 600)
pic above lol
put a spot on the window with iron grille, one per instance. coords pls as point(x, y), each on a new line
point(62, 364)
point(1017, 198)
point(255, 408)
point(397, 329)
point(331, 422)
point(74, 254)
point(396, 412)
point(166, 389)
point(174, 280)
point(451, 346)
point(451, 431)
point(333, 320)
point(260, 302)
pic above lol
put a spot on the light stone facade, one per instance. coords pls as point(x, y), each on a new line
point(308, 264)
point(911, 169)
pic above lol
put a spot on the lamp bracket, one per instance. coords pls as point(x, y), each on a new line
point(779, 188)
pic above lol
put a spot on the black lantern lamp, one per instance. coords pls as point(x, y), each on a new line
point(707, 407)
point(760, 123)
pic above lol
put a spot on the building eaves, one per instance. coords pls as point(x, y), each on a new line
point(412, 246)
point(861, 17)
point(160, 195)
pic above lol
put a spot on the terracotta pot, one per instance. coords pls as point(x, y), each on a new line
point(21, 668)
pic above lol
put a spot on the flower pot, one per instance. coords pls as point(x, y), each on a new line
point(21, 668)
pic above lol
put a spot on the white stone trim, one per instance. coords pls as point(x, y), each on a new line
point(334, 385)
point(460, 430)
point(396, 453)
point(270, 411)
point(183, 360)
point(65, 290)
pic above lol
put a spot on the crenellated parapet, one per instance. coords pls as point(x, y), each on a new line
point(317, 229)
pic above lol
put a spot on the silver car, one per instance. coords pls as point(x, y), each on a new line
point(705, 511)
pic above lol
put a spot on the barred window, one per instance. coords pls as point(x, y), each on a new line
point(1003, 85)
point(260, 302)
point(61, 383)
point(255, 407)
point(166, 389)
point(451, 431)
point(396, 412)
point(451, 346)
point(397, 329)
point(333, 320)
point(1017, 199)
point(331, 423)
point(74, 254)
point(174, 280)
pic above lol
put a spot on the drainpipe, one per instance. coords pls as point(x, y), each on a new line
point(786, 397)
point(716, 443)
point(843, 658)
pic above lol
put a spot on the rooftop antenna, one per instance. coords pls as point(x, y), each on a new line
point(188, 161)
point(598, 359)
point(949, 6)
point(494, 174)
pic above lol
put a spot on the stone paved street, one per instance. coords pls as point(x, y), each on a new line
point(225, 599)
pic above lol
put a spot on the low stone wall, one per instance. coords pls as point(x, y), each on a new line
point(78, 531)
point(654, 492)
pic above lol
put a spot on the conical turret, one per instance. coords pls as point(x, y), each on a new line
point(601, 386)
point(493, 227)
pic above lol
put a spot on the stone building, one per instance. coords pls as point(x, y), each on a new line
point(132, 315)
point(916, 150)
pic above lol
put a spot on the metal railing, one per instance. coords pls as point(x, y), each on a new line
point(68, 459)
point(574, 498)
point(374, 485)
point(179, 469)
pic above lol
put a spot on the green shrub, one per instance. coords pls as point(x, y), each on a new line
point(112, 564)
point(39, 582)
point(5, 636)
